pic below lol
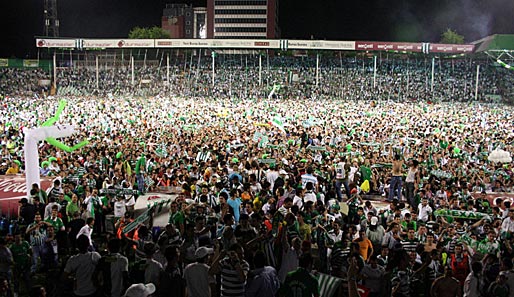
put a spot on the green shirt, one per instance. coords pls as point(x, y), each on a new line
point(300, 283)
point(20, 253)
point(71, 208)
point(57, 223)
point(140, 165)
point(176, 218)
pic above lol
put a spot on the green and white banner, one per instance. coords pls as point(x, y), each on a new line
point(461, 214)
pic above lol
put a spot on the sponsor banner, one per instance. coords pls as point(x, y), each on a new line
point(216, 43)
point(4, 62)
point(56, 43)
point(12, 189)
point(100, 43)
point(118, 43)
point(451, 48)
point(30, 63)
point(388, 46)
point(136, 43)
point(321, 44)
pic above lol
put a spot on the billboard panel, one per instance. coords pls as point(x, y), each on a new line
point(55, 43)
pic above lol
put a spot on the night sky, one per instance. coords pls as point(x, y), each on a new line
point(384, 20)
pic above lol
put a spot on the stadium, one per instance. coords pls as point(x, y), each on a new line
point(271, 167)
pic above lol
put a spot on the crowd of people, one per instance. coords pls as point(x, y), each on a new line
point(304, 194)
point(238, 76)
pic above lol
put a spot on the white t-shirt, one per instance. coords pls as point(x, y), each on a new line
point(119, 265)
point(309, 196)
point(340, 173)
point(119, 208)
point(197, 280)
point(82, 266)
point(86, 230)
point(411, 175)
point(153, 271)
point(298, 202)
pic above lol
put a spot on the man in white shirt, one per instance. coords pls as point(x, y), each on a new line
point(82, 266)
point(197, 276)
point(153, 268)
point(113, 267)
point(424, 210)
point(87, 230)
point(508, 223)
point(272, 175)
point(308, 177)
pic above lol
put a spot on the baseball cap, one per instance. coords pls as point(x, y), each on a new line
point(140, 290)
point(202, 252)
point(374, 221)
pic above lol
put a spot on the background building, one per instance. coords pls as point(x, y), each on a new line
point(252, 19)
point(178, 20)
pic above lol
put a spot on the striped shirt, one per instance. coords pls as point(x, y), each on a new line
point(339, 257)
point(410, 245)
point(54, 192)
point(37, 236)
point(230, 283)
point(203, 156)
point(80, 171)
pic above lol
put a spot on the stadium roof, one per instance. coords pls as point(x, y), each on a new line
point(495, 43)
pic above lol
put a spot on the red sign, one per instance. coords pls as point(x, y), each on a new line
point(413, 47)
point(12, 189)
point(494, 195)
point(387, 46)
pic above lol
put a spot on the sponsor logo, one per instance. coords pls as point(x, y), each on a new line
point(465, 48)
point(385, 46)
point(154, 198)
point(405, 47)
point(41, 43)
point(121, 43)
point(261, 43)
point(12, 186)
point(365, 45)
point(168, 43)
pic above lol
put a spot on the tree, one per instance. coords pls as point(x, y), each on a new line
point(148, 33)
point(451, 37)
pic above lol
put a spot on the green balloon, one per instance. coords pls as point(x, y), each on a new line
point(456, 150)
point(349, 147)
point(235, 160)
point(119, 155)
